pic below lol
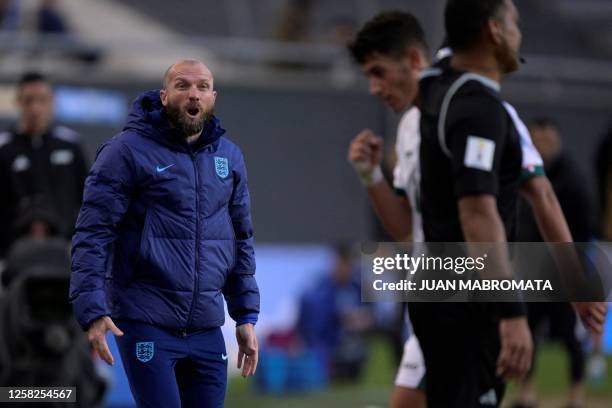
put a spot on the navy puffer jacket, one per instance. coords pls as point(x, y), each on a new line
point(164, 232)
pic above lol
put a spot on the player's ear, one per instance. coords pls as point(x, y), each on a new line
point(495, 30)
point(163, 95)
point(415, 57)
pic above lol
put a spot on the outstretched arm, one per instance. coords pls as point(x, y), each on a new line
point(105, 201)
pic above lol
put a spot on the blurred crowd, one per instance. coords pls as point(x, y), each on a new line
point(42, 20)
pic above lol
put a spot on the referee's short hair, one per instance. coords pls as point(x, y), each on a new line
point(543, 122)
point(388, 33)
point(31, 76)
point(465, 19)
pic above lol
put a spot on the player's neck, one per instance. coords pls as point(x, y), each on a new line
point(478, 63)
point(31, 131)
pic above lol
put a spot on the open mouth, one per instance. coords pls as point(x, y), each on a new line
point(193, 111)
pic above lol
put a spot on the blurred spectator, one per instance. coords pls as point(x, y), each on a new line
point(341, 31)
point(569, 185)
point(333, 321)
point(567, 180)
point(604, 184)
point(9, 16)
point(50, 19)
point(39, 159)
point(292, 24)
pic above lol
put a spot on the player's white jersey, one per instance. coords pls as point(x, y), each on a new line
point(533, 165)
point(407, 173)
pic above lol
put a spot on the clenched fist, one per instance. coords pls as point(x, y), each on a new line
point(365, 155)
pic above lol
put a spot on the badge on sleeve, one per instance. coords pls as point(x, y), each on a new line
point(479, 153)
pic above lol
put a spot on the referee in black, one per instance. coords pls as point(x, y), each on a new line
point(471, 166)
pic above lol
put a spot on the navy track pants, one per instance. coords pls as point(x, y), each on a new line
point(167, 369)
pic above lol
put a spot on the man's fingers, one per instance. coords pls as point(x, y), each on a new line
point(360, 151)
point(502, 361)
point(524, 363)
point(365, 135)
point(249, 365)
point(599, 314)
point(376, 142)
point(113, 328)
point(512, 362)
point(245, 366)
point(255, 362)
point(592, 325)
point(517, 363)
point(103, 350)
point(240, 357)
point(593, 316)
point(248, 362)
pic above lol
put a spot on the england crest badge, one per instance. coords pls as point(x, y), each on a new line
point(221, 166)
point(145, 351)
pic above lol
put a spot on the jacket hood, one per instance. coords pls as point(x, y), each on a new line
point(148, 118)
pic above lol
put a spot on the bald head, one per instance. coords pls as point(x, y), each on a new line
point(184, 65)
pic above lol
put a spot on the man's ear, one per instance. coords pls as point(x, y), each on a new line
point(495, 30)
point(163, 95)
point(415, 57)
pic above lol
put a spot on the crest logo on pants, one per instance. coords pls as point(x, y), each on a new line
point(221, 166)
point(145, 351)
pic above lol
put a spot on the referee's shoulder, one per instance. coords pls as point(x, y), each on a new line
point(6, 138)
point(481, 97)
point(65, 135)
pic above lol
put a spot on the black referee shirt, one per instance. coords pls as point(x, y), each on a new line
point(469, 146)
point(51, 166)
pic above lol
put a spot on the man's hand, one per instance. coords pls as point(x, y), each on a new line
point(592, 314)
point(365, 154)
point(514, 358)
point(248, 350)
point(96, 334)
point(366, 146)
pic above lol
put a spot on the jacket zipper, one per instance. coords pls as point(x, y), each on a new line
point(196, 286)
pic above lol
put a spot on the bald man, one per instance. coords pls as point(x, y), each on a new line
point(163, 235)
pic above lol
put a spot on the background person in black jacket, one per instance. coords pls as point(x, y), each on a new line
point(39, 159)
point(578, 207)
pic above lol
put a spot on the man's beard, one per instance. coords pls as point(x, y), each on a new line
point(508, 59)
point(184, 123)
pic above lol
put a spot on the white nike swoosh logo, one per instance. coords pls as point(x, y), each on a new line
point(224, 356)
point(162, 169)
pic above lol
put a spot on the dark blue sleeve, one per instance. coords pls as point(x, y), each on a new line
point(240, 289)
point(105, 201)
